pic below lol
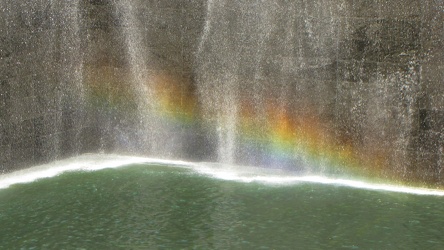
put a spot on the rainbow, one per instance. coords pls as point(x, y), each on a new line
point(279, 134)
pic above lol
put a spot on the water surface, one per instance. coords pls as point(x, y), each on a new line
point(147, 206)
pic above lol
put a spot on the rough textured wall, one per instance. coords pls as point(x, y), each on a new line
point(389, 78)
point(429, 139)
point(371, 69)
point(136, 53)
point(40, 82)
point(51, 55)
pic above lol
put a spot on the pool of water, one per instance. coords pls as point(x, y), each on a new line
point(158, 206)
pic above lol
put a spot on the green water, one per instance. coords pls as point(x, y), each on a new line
point(155, 207)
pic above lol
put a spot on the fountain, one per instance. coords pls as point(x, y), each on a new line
point(319, 87)
point(306, 85)
point(233, 115)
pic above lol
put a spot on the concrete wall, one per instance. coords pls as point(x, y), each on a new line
point(40, 101)
point(128, 45)
point(51, 54)
point(429, 139)
point(369, 70)
point(375, 68)
point(389, 73)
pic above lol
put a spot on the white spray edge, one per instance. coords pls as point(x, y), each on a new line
point(86, 162)
point(93, 162)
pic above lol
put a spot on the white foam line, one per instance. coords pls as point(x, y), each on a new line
point(87, 162)
point(92, 162)
point(291, 180)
